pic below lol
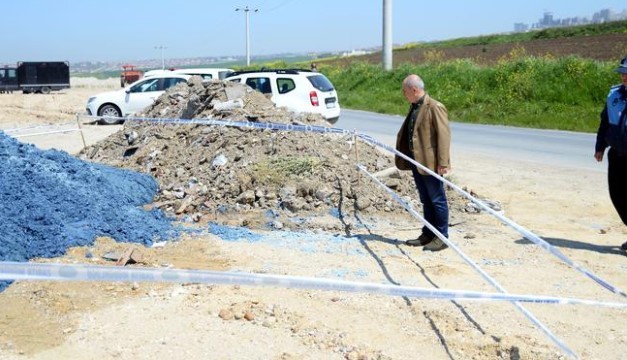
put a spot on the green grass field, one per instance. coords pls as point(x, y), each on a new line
point(565, 94)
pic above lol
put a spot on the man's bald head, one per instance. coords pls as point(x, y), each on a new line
point(413, 88)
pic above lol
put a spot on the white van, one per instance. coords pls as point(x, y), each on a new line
point(205, 73)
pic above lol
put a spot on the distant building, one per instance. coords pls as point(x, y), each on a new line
point(355, 53)
point(548, 21)
point(520, 27)
point(602, 16)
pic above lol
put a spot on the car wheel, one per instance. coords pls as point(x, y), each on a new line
point(332, 121)
point(110, 114)
point(45, 89)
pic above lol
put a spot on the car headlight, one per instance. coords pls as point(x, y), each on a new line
point(91, 99)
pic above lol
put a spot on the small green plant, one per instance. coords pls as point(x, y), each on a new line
point(274, 171)
point(434, 55)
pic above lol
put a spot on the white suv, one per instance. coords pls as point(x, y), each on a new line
point(113, 105)
point(298, 90)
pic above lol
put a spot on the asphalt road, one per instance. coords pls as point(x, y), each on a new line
point(549, 147)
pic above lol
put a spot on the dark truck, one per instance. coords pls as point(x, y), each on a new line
point(35, 76)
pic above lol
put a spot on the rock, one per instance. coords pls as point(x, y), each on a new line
point(225, 314)
point(323, 193)
point(472, 208)
point(392, 183)
point(219, 160)
point(494, 205)
point(131, 137)
point(269, 322)
point(247, 197)
point(362, 203)
point(391, 172)
point(294, 204)
point(228, 105)
point(184, 204)
point(248, 315)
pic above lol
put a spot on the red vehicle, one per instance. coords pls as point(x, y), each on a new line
point(129, 75)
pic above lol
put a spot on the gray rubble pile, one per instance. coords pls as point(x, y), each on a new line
point(220, 173)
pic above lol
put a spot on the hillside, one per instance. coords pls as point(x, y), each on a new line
point(605, 47)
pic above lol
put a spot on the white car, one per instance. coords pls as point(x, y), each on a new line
point(296, 89)
point(113, 105)
point(204, 73)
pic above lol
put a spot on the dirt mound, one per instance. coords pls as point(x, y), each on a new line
point(222, 100)
point(247, 176)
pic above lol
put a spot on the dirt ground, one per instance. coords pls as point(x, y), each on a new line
point(568, 208)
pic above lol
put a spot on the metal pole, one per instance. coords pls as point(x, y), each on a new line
point(162, 55)
point(246, 10)
point(162, 59)
point(247, 39)
point(80, 128)
point(387, 34)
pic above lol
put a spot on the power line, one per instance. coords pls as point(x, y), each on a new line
point(279, 6)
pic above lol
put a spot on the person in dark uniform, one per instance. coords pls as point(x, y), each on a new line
point(612, 133)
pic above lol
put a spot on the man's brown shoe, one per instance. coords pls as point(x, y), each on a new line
point(435, 245)
point(422, 240)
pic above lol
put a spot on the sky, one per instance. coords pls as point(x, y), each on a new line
point(126, 30)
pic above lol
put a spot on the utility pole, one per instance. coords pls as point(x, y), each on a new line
point(246, 10)
point(162, 57)
point(387, 34)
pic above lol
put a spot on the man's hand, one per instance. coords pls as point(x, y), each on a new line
point(598, 156)
point(442, 170)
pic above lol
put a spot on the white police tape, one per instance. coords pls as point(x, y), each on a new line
point(37, 127)
point(46, 133)
point(10, 270)
point(239, 124)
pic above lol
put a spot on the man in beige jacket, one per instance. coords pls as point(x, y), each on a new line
point(425, 137)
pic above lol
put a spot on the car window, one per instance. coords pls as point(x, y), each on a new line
point(223, 74)
point(261, 84)
point(320, 82)
point(169, 82)
point(203, 76)
point(148, 85)
point(285, 85)
point(236, 80)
